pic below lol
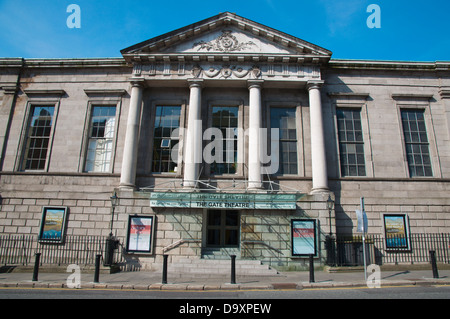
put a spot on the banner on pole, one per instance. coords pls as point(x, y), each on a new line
point(362, 221)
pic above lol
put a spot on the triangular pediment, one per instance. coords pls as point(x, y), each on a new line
point(228, 41)
point(226, 34)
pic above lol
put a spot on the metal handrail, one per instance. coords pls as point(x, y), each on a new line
point(180, 242)
point(259, 242)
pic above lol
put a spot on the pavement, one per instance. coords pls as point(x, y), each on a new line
point(143, 280)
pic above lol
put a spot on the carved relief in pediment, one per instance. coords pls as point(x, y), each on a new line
point(226, 42)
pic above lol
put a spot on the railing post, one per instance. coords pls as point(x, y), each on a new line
point(97, 269)
point(433, 264)
point(36, 266)
point(311, 268)
point(164, 274)
point(233, 269)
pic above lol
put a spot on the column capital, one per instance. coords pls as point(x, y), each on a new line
point(255, 83)
point(314, 84)
point(137, 82)
point(195, 83)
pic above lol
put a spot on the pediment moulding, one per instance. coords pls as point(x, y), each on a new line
point(226, 38)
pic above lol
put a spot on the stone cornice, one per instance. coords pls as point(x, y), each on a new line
point(445, 92)
point(11, 62)
point(389, 65)
point(75, 63)
point(44, 92)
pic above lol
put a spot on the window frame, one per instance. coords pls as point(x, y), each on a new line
point(149, 159)
point(87, 137)
point(361, 101)
point(240, 138)
point(428, 144)
point(299, 136)
point(355, 142)
point(102, 97)
point(20, 165)
point(418, 101)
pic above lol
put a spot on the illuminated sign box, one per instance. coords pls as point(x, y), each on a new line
point(224, 200)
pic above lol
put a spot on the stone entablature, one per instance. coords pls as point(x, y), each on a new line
point(233, 71)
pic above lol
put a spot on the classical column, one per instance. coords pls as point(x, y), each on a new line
point(318, 156)
point(129, 160)
point(193, 157)
point(254, 136)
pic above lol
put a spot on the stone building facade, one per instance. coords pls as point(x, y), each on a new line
point(298, 129)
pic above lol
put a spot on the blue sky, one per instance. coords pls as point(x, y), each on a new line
point(410, 30)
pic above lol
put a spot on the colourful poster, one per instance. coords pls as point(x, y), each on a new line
point(52, 225)
point(140, 231)
point(396, 231)
point(303, 237)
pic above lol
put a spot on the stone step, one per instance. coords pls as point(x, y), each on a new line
point(216, 261)
point(220, 267)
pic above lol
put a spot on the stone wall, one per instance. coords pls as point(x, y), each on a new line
point(425, 202)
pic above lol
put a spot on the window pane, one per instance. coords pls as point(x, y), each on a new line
point(232, 218)
point(214, 218)
point(231, 237)
point(214, 237)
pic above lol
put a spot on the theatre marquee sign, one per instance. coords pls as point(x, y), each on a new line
point(224, 200)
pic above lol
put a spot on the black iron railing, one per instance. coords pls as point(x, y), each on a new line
point(80, 250)
point(415, 248)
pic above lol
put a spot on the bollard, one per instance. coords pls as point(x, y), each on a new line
point(164, 274)
point(433, 264)
point(233, 269)
point(97, 269)
point(36, 266)
point(311, 268)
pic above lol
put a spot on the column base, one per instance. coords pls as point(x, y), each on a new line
point(255, 187)
point(320, 190)
point(189, 189)
point(125, 186)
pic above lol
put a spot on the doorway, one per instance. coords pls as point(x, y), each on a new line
point(222, 229)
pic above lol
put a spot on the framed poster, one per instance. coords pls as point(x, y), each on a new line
point(140, 234)
point(53, 224)
point(303, 237)
point(396, 231)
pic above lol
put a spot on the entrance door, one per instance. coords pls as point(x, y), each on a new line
point(222, 228)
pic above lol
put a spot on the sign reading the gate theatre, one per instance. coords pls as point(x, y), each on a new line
point(224, 200)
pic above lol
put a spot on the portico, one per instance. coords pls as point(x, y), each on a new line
point(228, 53)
